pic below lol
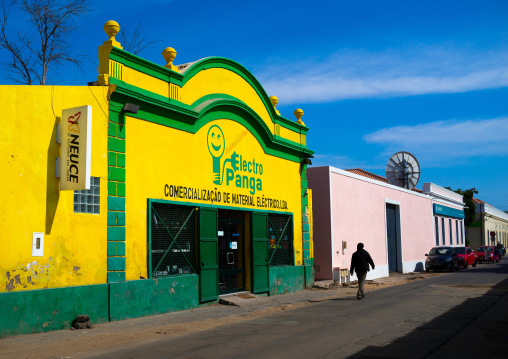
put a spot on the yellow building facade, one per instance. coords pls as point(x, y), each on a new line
point(490, 227)
point(197, 188)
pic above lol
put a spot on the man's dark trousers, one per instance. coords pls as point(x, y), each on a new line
point(361, 283)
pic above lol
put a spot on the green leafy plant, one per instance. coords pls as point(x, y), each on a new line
point(470, 210)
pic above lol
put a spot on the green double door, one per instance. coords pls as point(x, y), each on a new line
point(231, 236)
point(223, 248)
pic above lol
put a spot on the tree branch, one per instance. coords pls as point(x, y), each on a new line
point(53, 22)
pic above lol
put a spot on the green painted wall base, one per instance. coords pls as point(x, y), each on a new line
point(309, 276)
point(139, 298)
point(35, 311)
point(286, 279)
point(42, 310)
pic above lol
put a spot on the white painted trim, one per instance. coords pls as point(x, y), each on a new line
point(398, 239)
point(331, 217)
point(386, 240)
point(443, 193)
point(378, 272)
point(434, 220)
point(439, 199)
point(463, 233)
point(413, 266)
point(383, 271)
point(369, 180)
point(493, 211)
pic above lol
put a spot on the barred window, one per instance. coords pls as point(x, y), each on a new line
point(457, 231)
point(281, 239)
point(461, 232)
point(443, 231)
point(89, 200)
point(172, 239)
point(451, 231)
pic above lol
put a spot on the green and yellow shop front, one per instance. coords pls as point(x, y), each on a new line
point(203, 192)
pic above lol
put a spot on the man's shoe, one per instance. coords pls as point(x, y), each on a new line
point(359, 298)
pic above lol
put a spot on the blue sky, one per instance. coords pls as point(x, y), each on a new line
point(373, 77)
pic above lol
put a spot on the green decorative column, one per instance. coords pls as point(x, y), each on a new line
point(116, 197)
point(307, 260)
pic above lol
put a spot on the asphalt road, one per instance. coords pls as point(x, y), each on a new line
point(433, 318)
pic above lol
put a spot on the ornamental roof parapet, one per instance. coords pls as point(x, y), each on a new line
point(493, 211)
point(443, 193)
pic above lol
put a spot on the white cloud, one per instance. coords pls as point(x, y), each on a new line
point(356, 74)
point(438, 143)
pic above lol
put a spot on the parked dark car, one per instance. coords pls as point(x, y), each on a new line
point(442, 258)
point(466, 256)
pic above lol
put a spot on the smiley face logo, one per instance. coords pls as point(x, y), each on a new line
point(216, 142)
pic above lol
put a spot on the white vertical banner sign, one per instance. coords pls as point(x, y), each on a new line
point(76, 149)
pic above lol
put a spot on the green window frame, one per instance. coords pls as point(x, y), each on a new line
point(172, 239)
point(280, 234)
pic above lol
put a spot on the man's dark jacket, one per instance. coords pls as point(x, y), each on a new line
point(360, 261)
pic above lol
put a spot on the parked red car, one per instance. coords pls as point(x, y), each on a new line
point(466, 256)
point(486, 254)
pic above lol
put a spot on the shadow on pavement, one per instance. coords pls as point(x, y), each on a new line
point(475, 328)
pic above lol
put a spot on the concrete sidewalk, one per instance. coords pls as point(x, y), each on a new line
point(230, 309)
point(318, 290)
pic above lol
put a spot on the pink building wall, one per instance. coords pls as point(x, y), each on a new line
point(319, 182)
point(358, 214)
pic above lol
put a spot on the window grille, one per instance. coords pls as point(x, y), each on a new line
point(281, 239)
point(457, 230)
point(89, 200)
point(172, 239)
point(451, 231)
point(443, 231)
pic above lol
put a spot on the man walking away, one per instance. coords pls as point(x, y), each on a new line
point(360, 263)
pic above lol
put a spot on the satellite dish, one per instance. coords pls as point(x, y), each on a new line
point(403, 170)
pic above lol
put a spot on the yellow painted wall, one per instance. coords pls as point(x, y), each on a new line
point(290, 135)
point(74, 243)
point(144, 81)
point(157, 155)
point(218, 80)
point(498, 226)
point(205, 82)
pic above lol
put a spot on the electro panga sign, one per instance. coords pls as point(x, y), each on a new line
point(242, 173)
point(76, 140)
point(237, 176)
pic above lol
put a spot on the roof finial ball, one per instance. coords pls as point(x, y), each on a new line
point(111, 28)
point(298, 115)
point(275, 101)
point(169, 55)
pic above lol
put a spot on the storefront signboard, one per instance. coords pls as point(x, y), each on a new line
point(76, 140)
point(448, 211)
point(232, 170)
